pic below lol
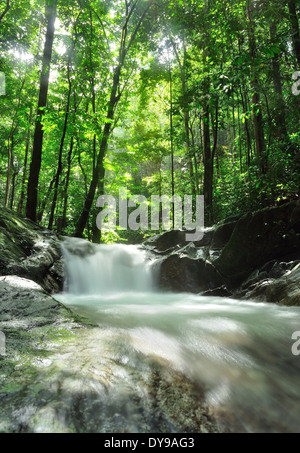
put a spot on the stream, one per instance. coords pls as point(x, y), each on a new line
point(164, 362)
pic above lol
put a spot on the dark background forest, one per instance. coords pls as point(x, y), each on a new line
point(161, 97)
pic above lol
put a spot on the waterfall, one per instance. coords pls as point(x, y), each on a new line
point(102, 269)
point(239, 353)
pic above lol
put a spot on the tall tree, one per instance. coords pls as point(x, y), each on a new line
point(295, 29)
point(35, 166)
point(6, 9)
point(256, 98)
point(115, 96)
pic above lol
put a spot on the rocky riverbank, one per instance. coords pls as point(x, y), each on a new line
point(255, 256)
point(29, 251)
point(59, 372)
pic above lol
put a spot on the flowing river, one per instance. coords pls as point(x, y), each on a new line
point(164, 362)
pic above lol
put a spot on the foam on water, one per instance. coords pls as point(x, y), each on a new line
point(239, 352)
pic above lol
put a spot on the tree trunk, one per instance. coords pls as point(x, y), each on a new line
point(258, 124)
point(280, 116)
point(36, 160)
point(96, 238)
point(22, 196)
point(65, 197)
point(186, 114)
point(59, 165)
point(115, 96)
point(208, 167)
point(295, 29)
point(46, 198)
point(13, 187)
point(249, 147)
point(10, 167)
point(7, 7)
point(103, 147)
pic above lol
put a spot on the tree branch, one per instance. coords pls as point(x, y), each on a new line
point(133, 36)
point(6, 10)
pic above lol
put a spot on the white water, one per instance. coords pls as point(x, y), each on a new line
point(238, 353)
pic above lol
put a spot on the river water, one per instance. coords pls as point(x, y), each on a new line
point(176, 354)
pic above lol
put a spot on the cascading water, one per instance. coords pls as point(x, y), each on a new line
point(234, 357)
point(104, 269)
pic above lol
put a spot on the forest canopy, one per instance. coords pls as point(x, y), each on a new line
point(156, 96)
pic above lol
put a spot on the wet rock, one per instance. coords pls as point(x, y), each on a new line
point(79, 247)
point(222, 233)
point(258, 238)
point(29, 251)
point(234, 257)
point(166, 242)
point(284, 290)
point(172, 240)
point(222, 291)
point(183, 274)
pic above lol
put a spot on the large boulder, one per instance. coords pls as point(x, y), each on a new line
point(223, 232)
point(181, 273)
point(169, 241)
point(258, 238)
point(166, 242)
point(29, 251)
point(241, 255)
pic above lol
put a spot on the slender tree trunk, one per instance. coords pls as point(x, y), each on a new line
point(36, 160)
point(13, 187)
point(92, 85)
point(10, 147)
point(215, 124)
point(7, 8)
point(208, 167)
point(10, 168)
point(44, 202)
point(96, 238)
point(172, 146)
point(233, 127)
point(186, 114)
point(22, 196)
point(240, 134)
point(258, 124)
point(69, 161)
point(85, 179)
point(115, 96)
point(103, 147)
point(295, 29)
point(65, 197)
point(280, 116)
point(59, 166)
point(246, 124)
point(194, 156)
